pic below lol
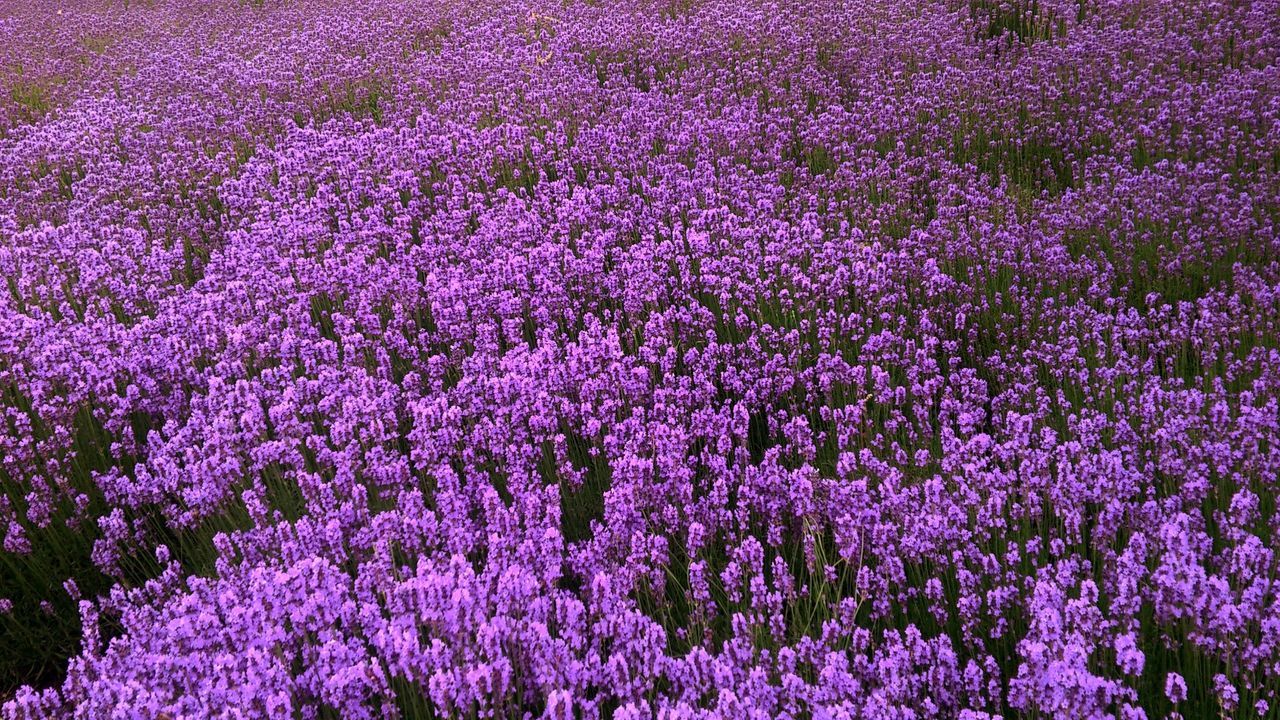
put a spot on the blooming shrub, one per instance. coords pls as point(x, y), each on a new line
point(674, 358)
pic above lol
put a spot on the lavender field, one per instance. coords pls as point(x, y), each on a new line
point(675, 359)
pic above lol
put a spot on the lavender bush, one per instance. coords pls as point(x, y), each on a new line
point(664, 359)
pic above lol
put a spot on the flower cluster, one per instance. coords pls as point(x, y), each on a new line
point(675, 359)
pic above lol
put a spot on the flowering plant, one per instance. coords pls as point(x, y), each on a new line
point(674, 358)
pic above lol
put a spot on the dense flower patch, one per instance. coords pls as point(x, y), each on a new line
point(672, 358)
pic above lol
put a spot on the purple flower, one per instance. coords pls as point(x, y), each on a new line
point(1175, 688)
